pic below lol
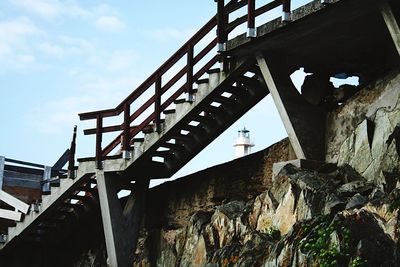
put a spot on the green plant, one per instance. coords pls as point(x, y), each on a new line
point(394, 205)
point(317, 242)
point(358, 262)
point(274, 234)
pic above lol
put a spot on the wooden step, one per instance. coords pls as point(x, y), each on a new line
point(173, 146)
point(201, 81)
point(215, 70)
point(169, 111)
point(180, 101)
point(214, 110)
point(225, 100)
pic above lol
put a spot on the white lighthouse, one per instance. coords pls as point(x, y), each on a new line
point(243, 143)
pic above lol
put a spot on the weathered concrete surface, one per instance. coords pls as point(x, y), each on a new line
point(358, 131)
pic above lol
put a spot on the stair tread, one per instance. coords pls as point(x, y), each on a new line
point(169, 111)
point(215, 70)
point(201, 81)
point(180, 101)
point(137, 140)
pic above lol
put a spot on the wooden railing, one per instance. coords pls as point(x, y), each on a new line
point(156, 85)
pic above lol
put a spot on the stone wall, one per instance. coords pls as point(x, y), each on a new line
point(359, 130)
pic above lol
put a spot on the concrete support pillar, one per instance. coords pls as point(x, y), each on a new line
point(304, 123)
point(391, 23)
point(121, 227)
point(111, 214)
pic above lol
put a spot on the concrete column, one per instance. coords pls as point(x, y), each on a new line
point(391, 23)
point(113, 225)
point(121, 227)
point(304, 123)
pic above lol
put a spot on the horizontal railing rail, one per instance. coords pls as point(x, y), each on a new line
point(156, 81)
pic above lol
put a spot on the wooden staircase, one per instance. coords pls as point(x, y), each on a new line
point(158, 135)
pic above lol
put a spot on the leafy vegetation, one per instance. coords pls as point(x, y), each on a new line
point(318, 241)
point(274, 234)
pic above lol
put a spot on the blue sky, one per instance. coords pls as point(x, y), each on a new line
point(62, 57)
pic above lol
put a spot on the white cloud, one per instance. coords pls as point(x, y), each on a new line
point(51, 49)
point(77, 42)
point(25, 59)
point(50, 9)
point(15, 30)
point(44, 8)
point(100, 93)
point(15, 40)
point(110, 24)
point(104, 9)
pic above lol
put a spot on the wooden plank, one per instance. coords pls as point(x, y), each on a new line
point(62, 160)
point(2, 164)
point(25, 163)
point(10, 215)
point(14, 202)
point(391, 23)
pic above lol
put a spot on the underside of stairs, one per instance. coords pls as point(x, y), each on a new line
point(163, 133)
point(218, 102)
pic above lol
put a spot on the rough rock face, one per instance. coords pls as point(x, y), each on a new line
point(359, 132)
point(331, 217)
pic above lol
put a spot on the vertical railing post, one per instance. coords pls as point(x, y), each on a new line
point(286, 14)
point(126, 136)
point(222, 21)
point(189, 73)
point(71, 161)
point(251, 19)
point(99, 137)
point(222, 35)
point(46, 180)
point(2, 165)
point(157, 104)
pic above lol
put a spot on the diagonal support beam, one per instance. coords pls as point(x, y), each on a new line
point(391, 23)
point(265, 70)
point(121, 227)
point(304, 122)
point(14, 202)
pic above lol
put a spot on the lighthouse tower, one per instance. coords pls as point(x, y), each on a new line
point(243, 144)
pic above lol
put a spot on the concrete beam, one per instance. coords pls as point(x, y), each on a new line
point(10, 215)
point(111, 213)
point(391, 23)
point(14, 202)
point(304, 122)
point(269, 80)
point(121, 227)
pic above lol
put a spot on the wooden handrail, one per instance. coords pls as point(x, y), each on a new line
point(152, 78)
point(155, 80)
